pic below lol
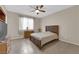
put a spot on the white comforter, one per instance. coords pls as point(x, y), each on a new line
point(45, 36)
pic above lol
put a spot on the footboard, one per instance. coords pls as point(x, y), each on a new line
point(36, 42)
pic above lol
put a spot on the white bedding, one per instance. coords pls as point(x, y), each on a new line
point(45, 36)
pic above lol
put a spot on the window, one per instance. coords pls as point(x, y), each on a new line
point(26, 23)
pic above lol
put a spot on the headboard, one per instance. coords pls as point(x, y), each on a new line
point(53, 28)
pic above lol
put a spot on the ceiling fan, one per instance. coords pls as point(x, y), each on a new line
point(38, 9)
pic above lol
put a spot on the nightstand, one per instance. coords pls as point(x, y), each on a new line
point(27, 34)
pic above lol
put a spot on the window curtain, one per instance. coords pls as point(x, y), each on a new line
point(26, 23)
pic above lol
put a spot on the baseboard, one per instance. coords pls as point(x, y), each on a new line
point(70, 42)
point(15, 37)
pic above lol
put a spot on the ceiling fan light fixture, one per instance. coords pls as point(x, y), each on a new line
point(37, 11)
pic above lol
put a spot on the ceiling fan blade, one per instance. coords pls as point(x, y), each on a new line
point(36, 7)
point(41, 6)
point(37, 13)
point(42, 10)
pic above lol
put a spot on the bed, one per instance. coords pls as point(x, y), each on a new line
point(43, 38)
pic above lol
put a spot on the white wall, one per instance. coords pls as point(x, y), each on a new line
point(37, 23)
point(68, 21)
point(13, 25)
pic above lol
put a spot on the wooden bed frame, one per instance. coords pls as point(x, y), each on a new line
point(52, 28)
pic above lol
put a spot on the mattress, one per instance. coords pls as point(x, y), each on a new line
point(45, 37)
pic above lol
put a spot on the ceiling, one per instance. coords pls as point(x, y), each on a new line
point(26, 9)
